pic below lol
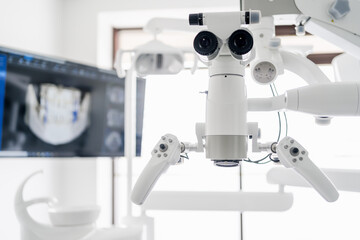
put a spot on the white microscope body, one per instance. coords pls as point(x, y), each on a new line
point(227, 49)
point(226, 125)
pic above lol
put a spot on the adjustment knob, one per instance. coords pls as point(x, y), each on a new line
point(339, 9)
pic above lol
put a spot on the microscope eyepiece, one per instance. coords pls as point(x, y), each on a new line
point(240, 43)
point(207, 44)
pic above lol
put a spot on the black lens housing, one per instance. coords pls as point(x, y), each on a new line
point(226, 163)
point(206, 43)
point(196, 19)
point(240, 42)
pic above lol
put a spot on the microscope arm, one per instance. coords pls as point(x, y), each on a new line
point(303, 67)
point(323, 99)
point(277, 103)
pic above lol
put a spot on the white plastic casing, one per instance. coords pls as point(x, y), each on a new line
point(264, 71)
point(321, 99)
point(160, 161)
point(335, 99)
point(346, 67)
point(346, 40)
point(234, 20)
point(226, 111)
point(303, 67)
point(226, 107)
point(267, 52)
point(300, 162)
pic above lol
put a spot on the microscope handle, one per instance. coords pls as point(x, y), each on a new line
point(166, 153)
point(292, 155)
point(318, 180)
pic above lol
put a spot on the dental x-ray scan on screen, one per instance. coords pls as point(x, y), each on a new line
point(51, 107)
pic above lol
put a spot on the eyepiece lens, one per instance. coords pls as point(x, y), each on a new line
point(240, 42)
point(206, 43)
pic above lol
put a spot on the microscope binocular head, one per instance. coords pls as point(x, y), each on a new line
point(233, 39)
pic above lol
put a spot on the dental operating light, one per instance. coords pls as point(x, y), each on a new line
point(154, 58)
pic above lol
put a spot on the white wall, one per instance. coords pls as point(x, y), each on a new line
point(33, 25)
point(80, 20)
point(36, 26)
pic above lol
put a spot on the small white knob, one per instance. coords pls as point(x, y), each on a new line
point(300, 30)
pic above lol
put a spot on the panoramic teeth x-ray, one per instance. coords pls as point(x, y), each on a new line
point(60, 117)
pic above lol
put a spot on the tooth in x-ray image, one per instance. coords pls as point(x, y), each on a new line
point(60, 117)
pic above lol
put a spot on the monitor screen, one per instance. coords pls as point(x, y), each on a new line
point(56, 108)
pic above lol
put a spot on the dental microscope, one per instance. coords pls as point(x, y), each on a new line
point(227, 50)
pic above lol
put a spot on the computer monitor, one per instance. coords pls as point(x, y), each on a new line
point(55, 108)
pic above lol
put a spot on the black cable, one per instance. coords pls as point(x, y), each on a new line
point(286, 124)
point(257, 161)
point(260, 161)
point(272, 159)
point(279, 118)
point(273, 84)
point(284, 113)
point(264, 162)
point(186, 156)
point(279, 135)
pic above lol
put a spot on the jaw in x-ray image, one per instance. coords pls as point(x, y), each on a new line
point(61, 115)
